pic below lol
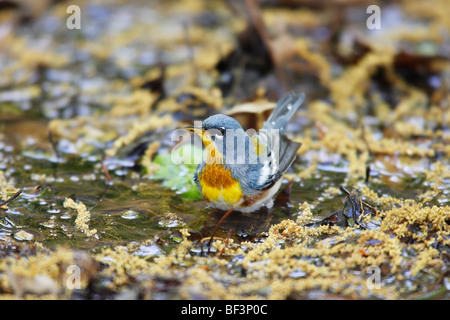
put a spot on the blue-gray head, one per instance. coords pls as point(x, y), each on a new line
point(220, 122)
point(227, 137)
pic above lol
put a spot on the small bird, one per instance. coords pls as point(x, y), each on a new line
point(243, 172)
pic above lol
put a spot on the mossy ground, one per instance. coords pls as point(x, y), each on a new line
point(86, 117)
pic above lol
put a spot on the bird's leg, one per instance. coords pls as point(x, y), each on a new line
point(221, 220)
point(226, 242)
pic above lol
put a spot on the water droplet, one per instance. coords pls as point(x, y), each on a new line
point(66, 216)
point(120, 172)
point(23, 236)
point(297, 274)
point(130, 215)
point(146, 251)
point(48, 224)
point(8, 148)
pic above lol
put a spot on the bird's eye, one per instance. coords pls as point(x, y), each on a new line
point(222, 130)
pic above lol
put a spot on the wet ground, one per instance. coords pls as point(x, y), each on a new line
point(87, 115)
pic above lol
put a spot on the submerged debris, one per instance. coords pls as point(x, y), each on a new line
point(356, 212)
point(88, 115)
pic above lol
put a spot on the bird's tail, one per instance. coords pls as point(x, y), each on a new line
point(286, 107)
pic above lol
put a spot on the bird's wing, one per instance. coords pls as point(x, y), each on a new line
point(286, 107)
point(279, 152)
point(275, 161)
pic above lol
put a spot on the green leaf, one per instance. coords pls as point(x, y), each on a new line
point(179, 177)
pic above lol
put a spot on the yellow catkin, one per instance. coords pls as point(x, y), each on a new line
point(146, 160)
point(83, 216)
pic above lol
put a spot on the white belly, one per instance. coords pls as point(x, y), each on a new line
point(266, 201)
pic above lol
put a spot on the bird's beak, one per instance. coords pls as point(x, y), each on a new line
point(196, 129)
point(200, 132)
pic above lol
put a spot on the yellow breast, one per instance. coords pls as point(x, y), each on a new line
point(218, 185)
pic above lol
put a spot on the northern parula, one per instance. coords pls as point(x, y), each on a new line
point(240, 171)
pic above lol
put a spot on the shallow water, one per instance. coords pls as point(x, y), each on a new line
point(135, 71)
point(129, 208)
